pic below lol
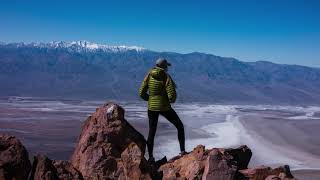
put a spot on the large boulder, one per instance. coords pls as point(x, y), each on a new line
point(109, 147)
point(44, 168)
point(14, 161)
point(212, 164)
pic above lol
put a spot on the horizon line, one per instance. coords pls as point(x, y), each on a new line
point(158, 51)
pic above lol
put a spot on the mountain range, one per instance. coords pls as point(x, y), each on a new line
point(86, 70)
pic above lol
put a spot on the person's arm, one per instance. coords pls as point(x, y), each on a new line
point(143, 90)
point(171, 90)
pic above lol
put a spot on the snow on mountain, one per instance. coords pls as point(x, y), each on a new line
point(78, 46)
point(44, 69)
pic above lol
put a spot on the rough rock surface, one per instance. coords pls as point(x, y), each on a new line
point(44, 168)
point(109, 147)
point(267, 173)
point(14, 161)
point(213, 164)
point(66, 171)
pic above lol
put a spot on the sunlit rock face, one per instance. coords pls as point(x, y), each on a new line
point(109, 147)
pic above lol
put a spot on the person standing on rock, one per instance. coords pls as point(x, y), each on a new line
point(159, 90)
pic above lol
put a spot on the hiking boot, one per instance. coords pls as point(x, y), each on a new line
point(182, 153)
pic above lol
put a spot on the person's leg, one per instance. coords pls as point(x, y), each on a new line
point(153, 121)
point(173, 117)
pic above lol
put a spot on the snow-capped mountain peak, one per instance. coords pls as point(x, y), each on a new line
point(79, 46)
point(86, 45)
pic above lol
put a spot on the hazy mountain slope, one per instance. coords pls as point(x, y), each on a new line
point(87, 70)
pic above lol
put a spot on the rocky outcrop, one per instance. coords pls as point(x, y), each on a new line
point(45, 169)
point(110, 148)
point(14, 161)
point(213, 164)
point(267, 173)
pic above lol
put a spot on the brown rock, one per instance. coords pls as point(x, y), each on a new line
point(14, 161)
point(189, 166)
point(263, 172)
point(108, 146)
point(213, 164)
point(218, 168)
point(133, 163)
point(240, 157)
point(43, 169)
point(66, 171)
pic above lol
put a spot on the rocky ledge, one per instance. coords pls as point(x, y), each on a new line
point(110, 148)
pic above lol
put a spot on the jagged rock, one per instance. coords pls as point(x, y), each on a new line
point(44, 168)
point(14, 161)
point(218, 168)
point(240, 157)
point(213, 164)
point(66, 171)
point(133, 165)
point(109, 147)
point(263, 172)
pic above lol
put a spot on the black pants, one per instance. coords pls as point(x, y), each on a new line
point(172, 117)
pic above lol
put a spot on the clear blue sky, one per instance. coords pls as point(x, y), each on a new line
point(281, 31)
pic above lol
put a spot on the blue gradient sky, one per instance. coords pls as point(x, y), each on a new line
point(281, 31)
